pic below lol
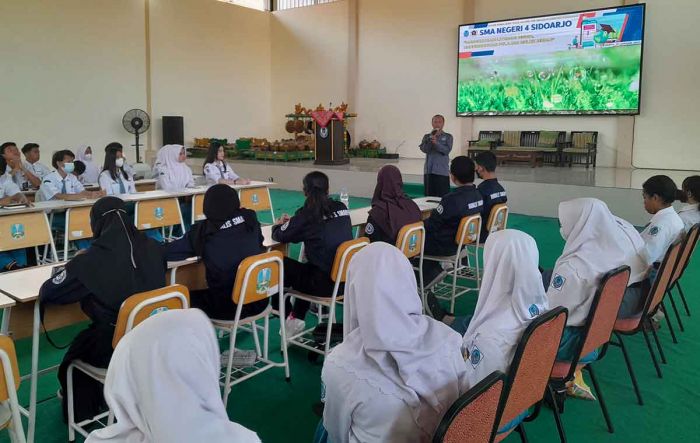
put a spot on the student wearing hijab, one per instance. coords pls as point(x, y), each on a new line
point(121, 262)
point(163, 385)
point(113, 179)
point(322, 224)
point(689, 195)
point(217, 170)
point(92, 171)
point(391, 208)
point(397, 371)
point(596, 242)
point(229, 235)
point(173, 172)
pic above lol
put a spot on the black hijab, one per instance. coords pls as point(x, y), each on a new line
point(221, 204)
point(391, 208)
point(121, 260)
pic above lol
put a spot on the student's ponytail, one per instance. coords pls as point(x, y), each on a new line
point(318, 204)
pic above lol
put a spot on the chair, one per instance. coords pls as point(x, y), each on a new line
point(583, 145)
point(198, 208)
point(28, 230)
point(596, 334)
point(498, 218)
point(411, 241)
point(133, 311)
point(487, 141)
point(259, 277)
point(528, 376)
point(77, 227)
point(345, 252)
point(468, 233)
point(652, 303)
point(687, 249)
point(258, 199)
point(473, 417)
point(158, 213)
point(9, 383)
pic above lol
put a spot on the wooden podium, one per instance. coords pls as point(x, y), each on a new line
point(330, 144)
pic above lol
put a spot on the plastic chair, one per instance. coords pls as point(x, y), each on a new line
point(77, 227)
point(473, 417)
point(498, 218)
point(690, 241)
point(411, 241)
point(257, 199)
point(158, 213)
point(259, 277)
point(529, 372)
point(345, 252)
point(9, 383)
point(468, 233)
point(596, 334)
point(198, 208)
point(133, 311)
point(653, 302)
point(28, 230)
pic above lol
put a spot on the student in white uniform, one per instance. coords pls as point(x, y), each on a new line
point(92, 171)
point(218, 171)
point(32, 155)
point(173, 172)
point(113, 179)
point(689, 195)
point(20, 174)
point(163, 385)
point(62, 184)
point(665, 226)
point(511, 295)
point(10, 193)
point(397, 371)
point(118, 147)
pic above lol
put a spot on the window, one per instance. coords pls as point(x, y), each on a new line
point(261, 5)
point(281, 5)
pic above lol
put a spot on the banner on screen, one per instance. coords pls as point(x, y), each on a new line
point(587, 62)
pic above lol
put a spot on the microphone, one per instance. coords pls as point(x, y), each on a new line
point(435, 131)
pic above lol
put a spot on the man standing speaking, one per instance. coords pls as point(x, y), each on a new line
point(437, 146)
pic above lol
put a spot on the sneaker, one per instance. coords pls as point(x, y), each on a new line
point(294, 326)
point(241, 358)
point(433, 307)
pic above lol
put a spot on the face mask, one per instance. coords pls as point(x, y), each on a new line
point(88, 157)
point(119, 162)
point(68, 167)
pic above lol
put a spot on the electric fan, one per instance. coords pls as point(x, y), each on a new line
point(136, 121)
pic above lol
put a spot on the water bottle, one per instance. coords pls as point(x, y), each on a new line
point(345, 197)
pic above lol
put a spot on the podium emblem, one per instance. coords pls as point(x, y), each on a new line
point(323, 132)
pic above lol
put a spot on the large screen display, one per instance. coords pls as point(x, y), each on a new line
point(587, 62)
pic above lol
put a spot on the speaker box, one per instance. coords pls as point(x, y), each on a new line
point(173, 130)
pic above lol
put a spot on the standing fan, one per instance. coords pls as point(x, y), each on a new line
point(136, 121)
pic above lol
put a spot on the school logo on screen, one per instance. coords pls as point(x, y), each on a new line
point(263, 283)
point(17, 231)
point(158, 213)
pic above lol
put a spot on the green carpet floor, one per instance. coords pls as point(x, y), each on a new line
point(281, 412)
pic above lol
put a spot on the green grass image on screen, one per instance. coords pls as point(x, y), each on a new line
point(578, 81)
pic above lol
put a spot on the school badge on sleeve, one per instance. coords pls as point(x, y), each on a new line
point(475, 356)
point(558, 282)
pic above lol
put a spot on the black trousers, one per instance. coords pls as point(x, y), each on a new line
point(309, 279)
point(436, 185)
point(93, 346)
point(222, 307)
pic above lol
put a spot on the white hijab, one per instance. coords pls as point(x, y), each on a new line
point(163, 385)
point(511, 295)
point(92, 172)
point(173, 174)
point(596, 242)
point(390, 343)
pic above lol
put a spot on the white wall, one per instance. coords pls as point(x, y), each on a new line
point(309, 59)
point(69, 71)
point(667, 133)
point(210, 63)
